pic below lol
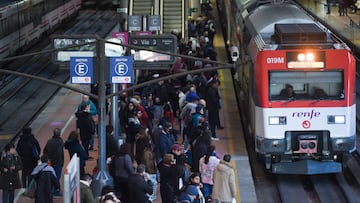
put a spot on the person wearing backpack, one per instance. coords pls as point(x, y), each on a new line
point(46, 181)
point(29, 150)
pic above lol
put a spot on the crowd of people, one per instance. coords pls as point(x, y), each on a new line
point(168, 130)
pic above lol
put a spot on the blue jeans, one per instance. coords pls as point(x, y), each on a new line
point(8, 196)
point(207, 190)
point(91, 143)
point(58, 170)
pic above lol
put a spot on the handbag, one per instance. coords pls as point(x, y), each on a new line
point(31, 189)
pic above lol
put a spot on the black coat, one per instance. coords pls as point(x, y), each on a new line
point(139, 188)
point(25, 149)
point(54, 148)
point(10, 180)
point(86, 125)
point(168, 183)
point(46, 182)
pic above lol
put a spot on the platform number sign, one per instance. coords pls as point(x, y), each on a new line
point(121, 69)
point(81, 70)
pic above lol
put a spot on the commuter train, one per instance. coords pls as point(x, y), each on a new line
point(297, 81)
point(24, 22)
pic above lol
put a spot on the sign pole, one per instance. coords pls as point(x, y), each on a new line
point(102, 177)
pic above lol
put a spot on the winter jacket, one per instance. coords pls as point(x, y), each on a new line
point(86, 125)
point(54, 148)
point(74, 146)
point(123, 166)
point(46, 182)
point(166, 141)
point(139, 188)
point(10, 179)
point(168, 183)
point(224, 182)
point(25, 150)
point(86, 195)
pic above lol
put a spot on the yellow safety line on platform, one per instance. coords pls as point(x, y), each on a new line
point(221, 56)
point(6, 136)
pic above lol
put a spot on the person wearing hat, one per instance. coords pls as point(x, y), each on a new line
point(168, 180)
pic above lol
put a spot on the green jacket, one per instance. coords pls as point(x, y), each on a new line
point(86, 195)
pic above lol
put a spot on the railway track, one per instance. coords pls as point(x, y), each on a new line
point(22, 99)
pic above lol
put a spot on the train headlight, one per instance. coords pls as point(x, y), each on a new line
point(277, 120)
point(336, 119)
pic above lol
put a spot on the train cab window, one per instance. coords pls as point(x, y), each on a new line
point(306, 85)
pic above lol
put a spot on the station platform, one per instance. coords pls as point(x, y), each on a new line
point(347, 25)
point(60, 114)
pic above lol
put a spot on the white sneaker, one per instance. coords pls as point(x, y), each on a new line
point(215, 138)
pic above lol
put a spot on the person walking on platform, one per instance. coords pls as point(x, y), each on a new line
point(86, 126)
point(94, 116)
point(29, 150)
point(224, 189)
point(86, 195)
point(46, 181)
point(10, 164)
point(54, 149)
point(72, 144)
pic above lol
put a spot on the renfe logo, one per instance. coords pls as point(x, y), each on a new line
point(309, 115)
point(275, 60)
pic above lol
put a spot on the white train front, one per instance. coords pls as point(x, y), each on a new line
point(298, 83)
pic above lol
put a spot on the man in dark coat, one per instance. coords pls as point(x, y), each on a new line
point(46, 181)
point(213, 104)
point(54, 148)
point(112, 145)
point(27, 147)
point(168, 179)
point(86, 126)
point(10, 165)
point(140, 186)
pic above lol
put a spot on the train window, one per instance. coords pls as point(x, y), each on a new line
point(306, 85)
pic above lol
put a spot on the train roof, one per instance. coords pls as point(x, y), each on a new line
point(8, 8)
point(275, 14)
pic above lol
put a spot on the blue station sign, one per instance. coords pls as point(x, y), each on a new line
point(81, 70)
point(121, 69)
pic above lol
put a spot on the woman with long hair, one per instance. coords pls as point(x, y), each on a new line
point(207, 165)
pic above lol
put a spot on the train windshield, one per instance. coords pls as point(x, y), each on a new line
point(297, 85)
